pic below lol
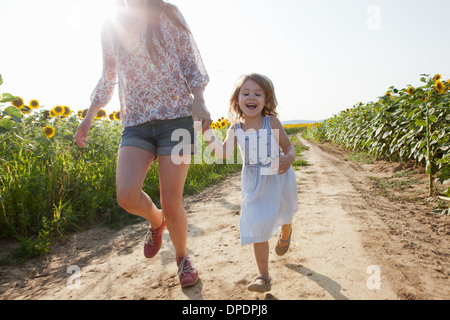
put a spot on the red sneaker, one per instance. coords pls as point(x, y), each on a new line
point(187, 272)
point(153, 241)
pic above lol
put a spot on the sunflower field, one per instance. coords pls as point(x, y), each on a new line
point(50, 187)
point(409, 124)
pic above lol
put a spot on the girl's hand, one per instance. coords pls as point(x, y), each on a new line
point(284, 165)
point(281, 165)
point(82, 131)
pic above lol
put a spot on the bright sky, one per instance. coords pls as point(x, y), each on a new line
point(322, 55)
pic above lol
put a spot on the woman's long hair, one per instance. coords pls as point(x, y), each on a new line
point(154, 10)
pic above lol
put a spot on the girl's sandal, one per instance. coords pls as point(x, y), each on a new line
point(261, 284)
point(281, 251)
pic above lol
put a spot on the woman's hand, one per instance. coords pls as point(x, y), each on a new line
point(199, 110)
point(200, 113)
point(82, 131)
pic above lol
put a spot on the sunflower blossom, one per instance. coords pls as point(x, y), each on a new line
point(34, 104)
point(101, 114)
point(18, 103)
point(58, 111)
point(440, 87)
point(49, 131)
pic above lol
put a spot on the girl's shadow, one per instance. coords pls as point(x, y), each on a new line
point(331, 286)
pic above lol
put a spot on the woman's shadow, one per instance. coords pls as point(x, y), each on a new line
point(331, 286)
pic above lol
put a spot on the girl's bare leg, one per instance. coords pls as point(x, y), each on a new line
point(132, 168)
point(262, 257)
point(171, 179)
point(285, 234)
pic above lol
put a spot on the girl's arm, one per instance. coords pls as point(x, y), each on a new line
point(285, 161)
point(225, 149)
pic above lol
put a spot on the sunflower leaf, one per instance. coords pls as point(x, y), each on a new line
point(7, 97)
point(422, 123)
point(5, 125)
point(14, 112)
point(1, 80)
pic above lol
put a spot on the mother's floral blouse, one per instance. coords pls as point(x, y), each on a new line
point(149, 90)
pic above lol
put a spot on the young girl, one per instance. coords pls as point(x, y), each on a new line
point(269, 186)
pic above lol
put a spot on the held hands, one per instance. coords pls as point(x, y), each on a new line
point(199, 110)
point(200, 113)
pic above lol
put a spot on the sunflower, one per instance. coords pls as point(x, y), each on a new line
point(111, 116)
point(67, 111)
point(82, 114)
point(46, 114)
point(440, 87)
point(34, 104)
point(410, 90)
point(388, 94)
point(117, 115)
point(101, 114)
point(25, 110)
point(58, 110)
point(49, 132)
point(18, 103)
point(437, 77)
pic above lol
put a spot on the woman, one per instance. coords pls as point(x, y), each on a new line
point(161, 78)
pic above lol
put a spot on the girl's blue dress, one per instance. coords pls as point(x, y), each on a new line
point(268, 200)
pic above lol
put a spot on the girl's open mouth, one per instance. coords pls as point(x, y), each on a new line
point(251, 106)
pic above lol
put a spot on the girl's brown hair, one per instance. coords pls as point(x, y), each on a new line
point(266, 84)
point(154, 10)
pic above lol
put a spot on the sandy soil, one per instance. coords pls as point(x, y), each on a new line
point(349, 242)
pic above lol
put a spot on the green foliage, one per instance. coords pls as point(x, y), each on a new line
point(50, 187)
point(404, 124)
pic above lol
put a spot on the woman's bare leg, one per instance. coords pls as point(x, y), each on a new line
point(132, 168)
point(171, 179)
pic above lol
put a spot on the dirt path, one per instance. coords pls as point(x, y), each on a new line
point(344, 245)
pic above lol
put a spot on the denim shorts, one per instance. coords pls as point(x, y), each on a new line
point(162, 137)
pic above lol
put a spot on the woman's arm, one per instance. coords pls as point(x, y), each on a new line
point(199, 110)
point(225, 149)
point(193, 70)
point(191, 61)
point(104, 90)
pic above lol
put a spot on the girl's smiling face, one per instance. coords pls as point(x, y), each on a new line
point(252, 99)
